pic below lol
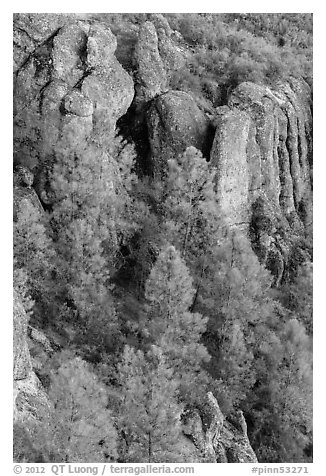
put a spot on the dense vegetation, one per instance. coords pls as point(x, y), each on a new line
point(228, 48)
point(153, 299)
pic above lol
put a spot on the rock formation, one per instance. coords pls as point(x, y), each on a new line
point(262, 152)
point(30, 399)
point(174, 123)
point(216, 439)
point(151, 74)
point(70, 91)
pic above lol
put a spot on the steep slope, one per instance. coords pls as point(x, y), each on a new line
point(70, 92)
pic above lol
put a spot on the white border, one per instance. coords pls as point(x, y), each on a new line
point(319, 194)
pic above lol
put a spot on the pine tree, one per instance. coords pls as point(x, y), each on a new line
point(298, 296)
point(242, 318)
point(170, 325)
point(292, 390)
point(83, 426)
point(193, 221)
point(34, 258)
point(281, 406)
point(149, 414)
point(93, 215)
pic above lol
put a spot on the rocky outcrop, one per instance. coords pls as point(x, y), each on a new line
point(216, 439)
point(262, 152)
point(174, 123)
point(171, 53)
point(24, 191)
point(69, 88)
point(31, 30)
point(151, 75)
point(229, 157)
point(157, 57)
point(70, 91)
point(22, 361)
point(30, 399)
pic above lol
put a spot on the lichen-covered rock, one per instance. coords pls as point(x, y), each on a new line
point(151, 74)
point(30, 399)
point(174, 123)
point(156, 58)
point(30, 30)
point(280, 120)
point(235, 442)
point(111, 91)
point(22, 361)
point(23, 177)
point(23, 191)
point(79, 105)
point(70, 89)
point(228, 155)
point(173, 57)
point(160, 22)
point(101, 46)
point(68, 54)
point(262, 151)
point(217, 439)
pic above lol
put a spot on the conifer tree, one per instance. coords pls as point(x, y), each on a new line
point(242, 318)
point(83, 427)
point(170, 324)
point(34, 256)
point(298, 296)
point(193, 221)
point(93, 215)
point(292, 390)
point(281, 406)
point(149, 414)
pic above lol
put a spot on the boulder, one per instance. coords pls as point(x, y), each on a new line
point(101, 46)
point(68, 54)
point(174, 123)
point(110, 89)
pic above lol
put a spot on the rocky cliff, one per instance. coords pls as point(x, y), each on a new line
point(30, 399)
point(262, 152)
point(71, 91)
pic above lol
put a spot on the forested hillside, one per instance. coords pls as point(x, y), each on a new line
point(163, 237)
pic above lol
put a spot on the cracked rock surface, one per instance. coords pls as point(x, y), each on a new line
point(68, 87)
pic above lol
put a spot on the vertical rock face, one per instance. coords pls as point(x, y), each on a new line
point(156, 57)
point(22, 361)
point(216, 439)
point(174, 123)
point(262, 151)
point(229, 158)
point(29, 397)
point(159, 124)
point(69, 87)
